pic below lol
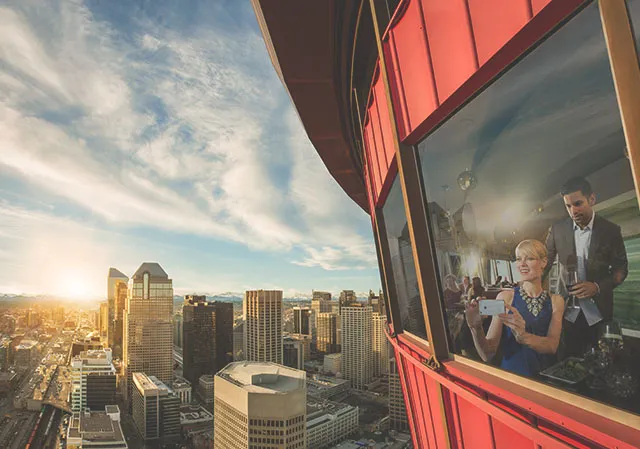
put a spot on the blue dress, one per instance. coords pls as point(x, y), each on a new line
point(519, 358)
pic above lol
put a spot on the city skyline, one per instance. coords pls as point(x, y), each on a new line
point(126, 136)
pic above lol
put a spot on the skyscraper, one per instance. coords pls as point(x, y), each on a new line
point(149, 338)
point(155, 408)
point(376, 302)
point(238, 341)
point(327, 333)
point(116, 302)
point(380, 345)
point(347, 298)
point(302, 320)
point(397, 410)
point(208, 336)
point(320, 303)
point(293, 352)
point(93, 380)
point(260, 404)
point(357, 357)
point(263, 325)
point(104, 319)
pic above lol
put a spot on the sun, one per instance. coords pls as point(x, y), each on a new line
point(74, 287)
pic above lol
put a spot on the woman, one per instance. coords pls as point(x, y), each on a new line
point(476, 289)
point(529, 333)
point(452, 293)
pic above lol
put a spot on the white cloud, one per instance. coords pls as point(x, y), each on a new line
point(187, 133)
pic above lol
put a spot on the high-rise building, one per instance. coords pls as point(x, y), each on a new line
point(182, 388)
point(376, 302)
point(155, 408)
point(96, 430)
point(117, 285)
point(357, 357)
point(329, 423)
point(149, 334)
point(208, 336)
point(293, 352)
point(320, 303)
point(238, 341)
point(104, 319)
point(380, 345)
point(327, 333)
point(263, 325)
point(178, 330)
point(347, 298)
point(302, 321)
point(260, 404)
point(205, 389)
point(397, 410)
point(93, 380)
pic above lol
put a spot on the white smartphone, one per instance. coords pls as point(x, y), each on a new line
point(491, 306)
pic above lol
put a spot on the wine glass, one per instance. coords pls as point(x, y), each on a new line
point(571, 281)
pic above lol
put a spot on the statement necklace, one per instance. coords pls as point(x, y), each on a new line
point(534, 305)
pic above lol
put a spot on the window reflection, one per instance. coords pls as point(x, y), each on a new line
point(402, 265)
point(493, 177)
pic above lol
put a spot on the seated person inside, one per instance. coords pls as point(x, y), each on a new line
point(528, 334)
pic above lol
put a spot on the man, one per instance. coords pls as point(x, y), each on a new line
point(593, 247)
point(466, 285)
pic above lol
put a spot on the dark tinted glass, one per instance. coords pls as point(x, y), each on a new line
point(402, 266)
point(493, 175)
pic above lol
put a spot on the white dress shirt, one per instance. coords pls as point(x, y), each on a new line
point(582, 238)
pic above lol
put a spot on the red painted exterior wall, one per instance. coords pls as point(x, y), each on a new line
point(438, 54)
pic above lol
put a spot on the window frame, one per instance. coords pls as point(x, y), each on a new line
point(625, 68)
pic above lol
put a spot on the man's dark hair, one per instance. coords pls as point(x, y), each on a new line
point(577, 184)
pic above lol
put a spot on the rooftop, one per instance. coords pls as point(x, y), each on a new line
point(192, 414)
point(115, 273)
point(149, 384)
point(319, 411)
point(263, 377)
point(154, 269)
point(96, 427)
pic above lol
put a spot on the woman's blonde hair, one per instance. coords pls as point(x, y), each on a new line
point(532, 248)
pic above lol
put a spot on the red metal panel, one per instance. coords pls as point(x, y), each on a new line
point(372, 158)
point(397, 92)
point(453, 52)
point(378, 135)
point(385, 122)
point(537, 5)
point(476, 431)
point(532, 32)
point(416, 406)
point(411, 417)
point(425, 404)
point(507, 438)
point(437, 411)
point(495, 22)
point(414, 62)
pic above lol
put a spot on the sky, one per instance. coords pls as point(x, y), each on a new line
point(157, 130)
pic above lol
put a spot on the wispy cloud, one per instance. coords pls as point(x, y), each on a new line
point(173, 120)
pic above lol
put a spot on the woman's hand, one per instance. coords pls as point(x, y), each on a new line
point(472, 314)
point(515, 322)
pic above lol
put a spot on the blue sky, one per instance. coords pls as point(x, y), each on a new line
point(158, 131)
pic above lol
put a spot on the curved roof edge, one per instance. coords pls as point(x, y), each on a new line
point(301, 40)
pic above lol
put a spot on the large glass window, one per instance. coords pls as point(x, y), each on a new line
point(537, 161)
point(402, 265)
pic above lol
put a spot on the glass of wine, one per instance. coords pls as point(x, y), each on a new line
point(571, 281)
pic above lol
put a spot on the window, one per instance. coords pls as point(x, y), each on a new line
point(492, 176)
point(402, 266)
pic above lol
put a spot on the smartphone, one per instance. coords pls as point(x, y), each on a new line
point(491, 306)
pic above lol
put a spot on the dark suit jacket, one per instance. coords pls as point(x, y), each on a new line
point(607, 264)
